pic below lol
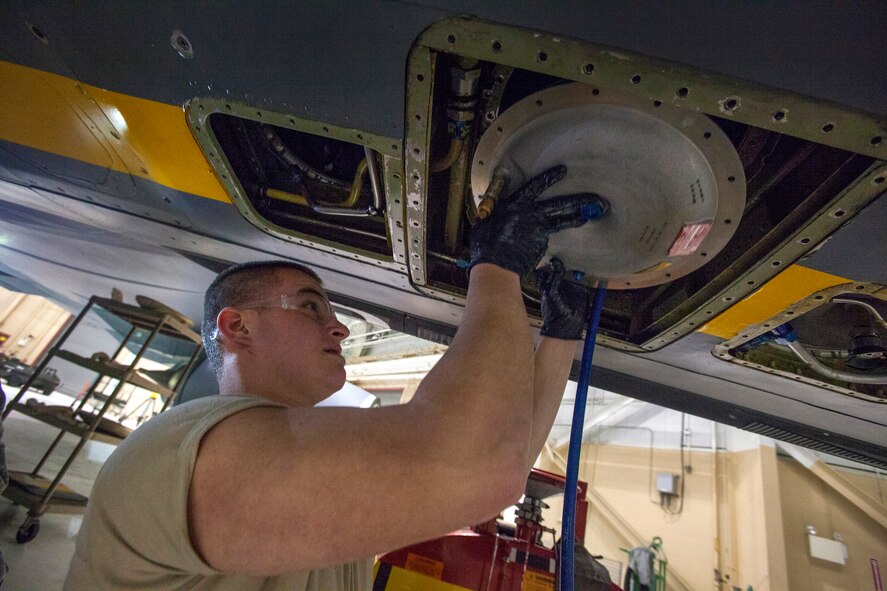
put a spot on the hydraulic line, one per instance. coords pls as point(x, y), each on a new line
point(347, 207)
point(568, 529)
point(822, 369)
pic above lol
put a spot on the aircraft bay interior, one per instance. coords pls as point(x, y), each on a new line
point(741, 154)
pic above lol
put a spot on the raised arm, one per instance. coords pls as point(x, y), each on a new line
point(284, 490)
point(564, 313)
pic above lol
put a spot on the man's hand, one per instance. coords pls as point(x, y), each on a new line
point(564, 303)
point(515, 235)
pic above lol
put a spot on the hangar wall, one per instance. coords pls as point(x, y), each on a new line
point(32, 323)
point(745, 512)
point(807, 500)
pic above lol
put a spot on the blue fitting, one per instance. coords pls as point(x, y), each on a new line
point(784, 334)
point(593, 210)
point(462, 263)
point(578, 275)
point(459, 130)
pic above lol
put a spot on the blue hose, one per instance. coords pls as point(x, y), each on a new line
point(568, 528)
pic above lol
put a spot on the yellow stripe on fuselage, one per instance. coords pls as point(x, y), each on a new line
point(62, 116)
point(790, 286)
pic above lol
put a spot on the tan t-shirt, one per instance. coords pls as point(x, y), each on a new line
point(135, 530)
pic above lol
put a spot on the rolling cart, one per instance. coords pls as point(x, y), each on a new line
point(42, 495)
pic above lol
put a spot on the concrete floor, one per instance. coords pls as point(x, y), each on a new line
point(42, 563)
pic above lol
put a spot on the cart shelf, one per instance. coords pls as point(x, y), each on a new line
point(41, 495)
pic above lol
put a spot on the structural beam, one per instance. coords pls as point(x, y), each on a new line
point(838, 482)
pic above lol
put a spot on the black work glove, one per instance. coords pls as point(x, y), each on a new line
point(515, 235)
point(564, 302)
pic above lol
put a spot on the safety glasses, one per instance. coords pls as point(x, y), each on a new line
point(309, 302)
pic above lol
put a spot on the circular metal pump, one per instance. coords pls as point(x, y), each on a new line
point(674, 183)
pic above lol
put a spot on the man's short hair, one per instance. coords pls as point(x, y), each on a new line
point(235, 286)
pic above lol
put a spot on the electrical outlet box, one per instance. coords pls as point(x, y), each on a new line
point(667, 483)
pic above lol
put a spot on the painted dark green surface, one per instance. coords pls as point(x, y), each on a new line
point(322, 60)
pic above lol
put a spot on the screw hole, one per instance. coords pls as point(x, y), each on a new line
point(839, 213)
point(683, 92)
point(730, 104)
point(497, 45)
point(595, 91)
point(588, 69)
point(779, 115)
point(451, 39)
point(706, 135)
point(539, 103)
point(39, 34)
point(728, 221)
point(827, 127)
point(420, 77)
point(542, 57)
point(879, 180)
point(657, 103)
point(876, 141)
point(775, 263)
point(636, 79)
point(750, 282)
point(731, 179)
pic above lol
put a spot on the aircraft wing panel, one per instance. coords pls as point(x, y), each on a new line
point(103, 183)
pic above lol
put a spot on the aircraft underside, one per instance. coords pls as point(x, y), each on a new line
point(147, 147)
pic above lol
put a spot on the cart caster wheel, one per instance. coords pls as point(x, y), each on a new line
point(28, 530)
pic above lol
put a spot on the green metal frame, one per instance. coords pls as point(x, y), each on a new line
point(198, 111)
point(811, 302)
point(653, 80)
